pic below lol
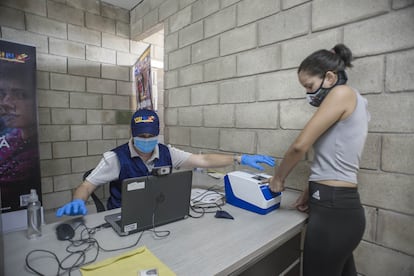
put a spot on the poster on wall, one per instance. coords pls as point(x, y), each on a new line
point(19, 147)
point(143, 81)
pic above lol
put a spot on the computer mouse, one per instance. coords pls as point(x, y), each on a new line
point(64, 232)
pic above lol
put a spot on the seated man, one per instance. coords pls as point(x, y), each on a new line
point(139, 156)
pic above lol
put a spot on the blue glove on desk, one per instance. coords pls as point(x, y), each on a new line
point(74, 208)
point(253, 160)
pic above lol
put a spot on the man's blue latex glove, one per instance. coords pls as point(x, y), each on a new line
point(253, 160)
point(74, 208)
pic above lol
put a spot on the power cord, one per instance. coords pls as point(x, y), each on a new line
point(200, 208)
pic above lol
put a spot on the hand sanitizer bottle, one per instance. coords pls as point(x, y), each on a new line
point(34, 217)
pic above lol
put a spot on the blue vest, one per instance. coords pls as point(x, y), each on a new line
point(133, 167)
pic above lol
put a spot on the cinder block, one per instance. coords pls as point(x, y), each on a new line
point(84, 67)
point(80, 34)
point(275, 142)
point(371, 155)
point(296, 50)
point(44, 115)
point(397, 153)
point(11, 18)
point(150, 19)
point(205, 49)
point(85, 132)
point(178, 135)
point(287, 4)
point(45, 151)
point(399, 4)
point(55, 200)
point(67, 82)
point(379, 35)
point(238, 141)
point(221, 21)
point(239, 90)
point(171, 116)
point(171, 42)
point(400, 72)
point(185, 3)
point(394, 231)
point(179, 58)
point(64, 13)
point(116, 102)
point(326, 14)
point(116, 132)
point(42, 80)
point(51, 63)
point(190, 34)
point(180, 19)
point(372, 259)
point(55, 167)
point(374, 188)
point(47, 186)
point(294, 114)
point(69, 149)
point(205, 137)
point(85, 100)
point(288, 86)
point(99, 23)
point(259, 61)
point(167, 9)
point(94, 53)
point(83, 164)
point(238, 40)
point(115, 42)
point(171, 79)
point(136, 29)
point(35, 6)
point(257, 115)
point(220, 68)
point(122, 29)
point(389, 113)
point(52, 98)
point(91, 6)
point(53, 133)
point(371, 218)
point(219, 115)
point(226, 3)
point(190, 75)
point(367, 75)
point(203, 8)
point(68, 116)
point(115, 72)
point(124, 88)
point(39, 41)
point(45, 26)
point(101, 117)
point(100, 146)
point(125, 59)
point(100, 86)
point(178, 97)
point(249, 11)
point(67, 182)
point(285, 25)
point(190, 116)
point(204, 94)
point(66, 48)
point(117, 13)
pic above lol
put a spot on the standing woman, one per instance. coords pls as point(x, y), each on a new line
point(337, 132)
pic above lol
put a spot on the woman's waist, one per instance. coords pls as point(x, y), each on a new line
point(337, 183)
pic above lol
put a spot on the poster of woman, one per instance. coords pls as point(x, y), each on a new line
point(143, 80)
point(19, 149)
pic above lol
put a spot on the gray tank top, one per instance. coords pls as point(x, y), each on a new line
point(338, 151)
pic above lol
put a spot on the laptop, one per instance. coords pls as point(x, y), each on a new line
point(151, 201)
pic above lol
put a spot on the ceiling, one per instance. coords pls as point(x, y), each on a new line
point(126, 4)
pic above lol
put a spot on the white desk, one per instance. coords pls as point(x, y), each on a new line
point(205, 246)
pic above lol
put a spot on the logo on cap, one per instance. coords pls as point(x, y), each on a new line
point(144, 119)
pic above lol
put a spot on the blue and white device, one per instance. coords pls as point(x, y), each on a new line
point(245, 190)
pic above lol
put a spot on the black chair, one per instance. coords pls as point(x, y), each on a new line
point(98, 203)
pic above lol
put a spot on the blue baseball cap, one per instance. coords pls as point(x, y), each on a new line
point(145, 121)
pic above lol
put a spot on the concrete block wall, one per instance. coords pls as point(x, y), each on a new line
point(84, 84)
point(231, 86)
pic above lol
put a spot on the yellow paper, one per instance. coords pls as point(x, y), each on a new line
point(129, 263)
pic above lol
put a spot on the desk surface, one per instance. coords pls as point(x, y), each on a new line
point(204, 246)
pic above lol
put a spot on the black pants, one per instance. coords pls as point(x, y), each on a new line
point(335, 228)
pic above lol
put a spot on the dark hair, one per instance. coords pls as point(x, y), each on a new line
point(321, 61)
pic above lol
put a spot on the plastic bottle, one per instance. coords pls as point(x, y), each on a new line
point(34, 217)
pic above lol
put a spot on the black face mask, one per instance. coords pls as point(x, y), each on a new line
point(315, 98)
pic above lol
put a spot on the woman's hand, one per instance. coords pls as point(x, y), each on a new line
point(275, 184)
point(302, 202)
